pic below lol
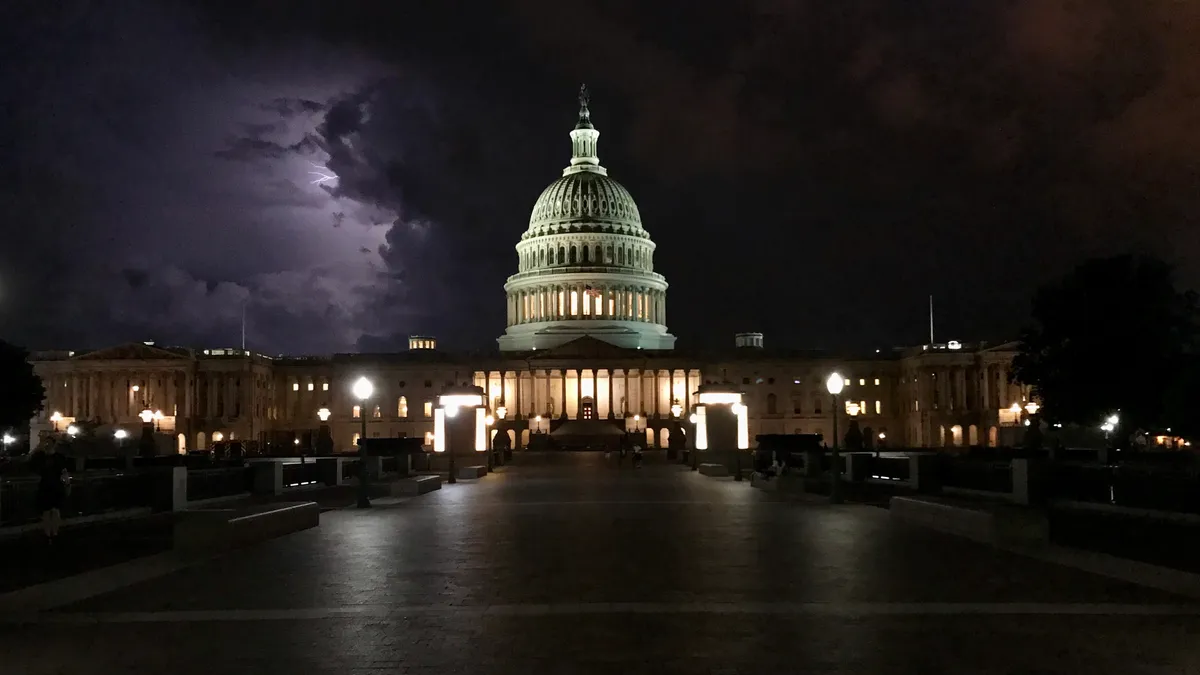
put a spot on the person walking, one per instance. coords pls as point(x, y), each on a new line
point(54, 483)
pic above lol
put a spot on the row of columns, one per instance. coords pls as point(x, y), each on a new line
point(615, 392)
point(966, 388)
point(111, 396)
point(581, 301)
point(584, 254)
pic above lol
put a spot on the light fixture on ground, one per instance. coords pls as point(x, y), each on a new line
point(834, 386)
point(362, 390)
point(8, 440)
point(722, 426)
point(459, 425)
point(72, 431)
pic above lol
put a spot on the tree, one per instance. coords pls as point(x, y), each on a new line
point(1113, 335)
point(21, 390)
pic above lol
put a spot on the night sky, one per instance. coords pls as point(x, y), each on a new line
point(352, 173)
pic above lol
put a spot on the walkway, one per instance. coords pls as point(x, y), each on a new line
point(564, 564)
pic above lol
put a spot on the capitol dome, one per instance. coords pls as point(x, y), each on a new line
point(585, 264)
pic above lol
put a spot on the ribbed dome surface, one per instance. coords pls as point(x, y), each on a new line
point(585, 198)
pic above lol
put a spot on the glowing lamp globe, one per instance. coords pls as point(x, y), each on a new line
point(9, 439)
point(120, 434)
point(676, 410)
point(363, 389)
point(835, 383)
point(72, 430)
point(323, 414)
point(147, 416)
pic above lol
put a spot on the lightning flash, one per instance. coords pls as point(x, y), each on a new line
point(322, 175)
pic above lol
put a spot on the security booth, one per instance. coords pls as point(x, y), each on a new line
point(460, 429)
point(720, 428)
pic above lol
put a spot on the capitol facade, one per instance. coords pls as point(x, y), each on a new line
point(586, 351)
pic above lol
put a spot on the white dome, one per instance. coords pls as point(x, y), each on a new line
point(585, 264)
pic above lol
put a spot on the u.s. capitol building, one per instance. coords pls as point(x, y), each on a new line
point(586, 344)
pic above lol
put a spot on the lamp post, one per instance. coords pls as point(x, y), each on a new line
point(8, 439)
point(362, 391)
point(323, 431)
point(834, 385)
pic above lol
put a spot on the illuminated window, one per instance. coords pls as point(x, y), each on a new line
point(862, 405)
point(356, 412)
point(587, 303)
point(354, 440)
point(402, 407)
point(562, 303)
point(310, 386)
point(428, 438)
point(574, 303)
point(862, 382)
point(324, 386)
point(848, 382)
point(377, 412)
point(877, 382)
point(878, 407)
point(916, 406)
point(295, 386)
point(429, 408)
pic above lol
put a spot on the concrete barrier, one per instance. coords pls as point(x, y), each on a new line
point(990, 523)
point(214, 530)
point(416, 486)
point(469, 472)
point(714, 470)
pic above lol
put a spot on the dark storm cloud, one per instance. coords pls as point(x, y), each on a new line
point(359, 171)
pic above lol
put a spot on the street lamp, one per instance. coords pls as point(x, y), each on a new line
point(362, 391)
point(147, 416)
point(834, 385)
point(676, 410)
point(8, 439)
point(324, 443)
point(72, 431)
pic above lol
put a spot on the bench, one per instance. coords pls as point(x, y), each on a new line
point(714, 470)
point(469, 472)
point(416, 486)
point(215, 530)
point(990, 523)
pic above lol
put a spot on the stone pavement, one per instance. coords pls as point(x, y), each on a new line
point(564, 564)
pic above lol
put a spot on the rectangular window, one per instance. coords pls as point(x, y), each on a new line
point(356, 412)
point(848, 382)
point(877, 382)
point(862, 405)
point(878, 407)
point(429, 408)
point(295, 386)
point(324, 386)
point(574, 303)
point(862, 382)
point(310, 386)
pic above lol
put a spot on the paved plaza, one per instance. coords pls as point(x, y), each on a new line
point(565, 564)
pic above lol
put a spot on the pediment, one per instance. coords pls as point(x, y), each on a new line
point(586, 347)
point(134, 351)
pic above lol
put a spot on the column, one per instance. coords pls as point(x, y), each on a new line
point(611, 386)
point(563, 400)
point(578, 391)
point(520, 411)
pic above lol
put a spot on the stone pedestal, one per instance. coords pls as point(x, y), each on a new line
point(268, 478)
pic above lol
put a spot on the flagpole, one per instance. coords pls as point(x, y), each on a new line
point(931, 341)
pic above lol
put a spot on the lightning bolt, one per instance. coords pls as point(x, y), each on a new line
point(322, 175)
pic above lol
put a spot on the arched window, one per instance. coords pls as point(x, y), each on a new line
point(574, 255)
point(608, 255)
point(596, 256)
point(402, 407)
point(357, 412)
point(562, 255)
point(772, 404)
point(621, 256)
point(585, 254)
point(541, 256)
